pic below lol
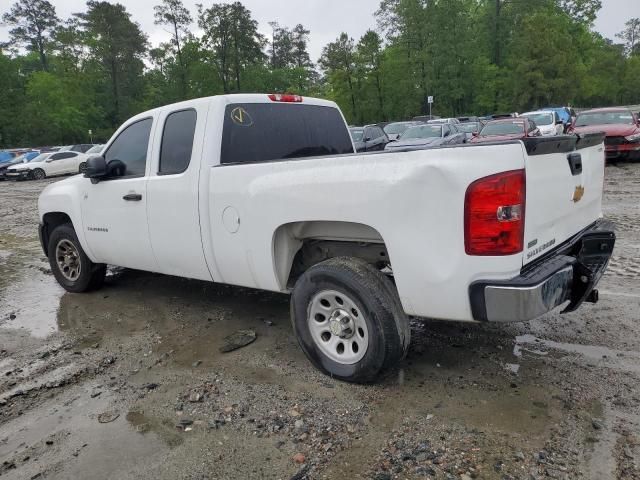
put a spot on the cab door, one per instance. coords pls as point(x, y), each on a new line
point(114, 210)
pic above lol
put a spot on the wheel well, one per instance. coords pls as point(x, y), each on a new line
point(300, 245)
point(50, 221)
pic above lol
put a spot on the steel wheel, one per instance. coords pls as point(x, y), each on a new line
point(337, 327)
point(68, 260)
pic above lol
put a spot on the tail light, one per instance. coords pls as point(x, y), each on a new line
point(494, 210)
point(285, 97)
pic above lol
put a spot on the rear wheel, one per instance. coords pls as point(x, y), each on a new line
point(348, 319)
point(73, 270)
point(38, 174)
point(82, 167)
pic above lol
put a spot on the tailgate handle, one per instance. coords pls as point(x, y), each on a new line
point(575, 163)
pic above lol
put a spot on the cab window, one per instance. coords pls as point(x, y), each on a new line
point(177, 142)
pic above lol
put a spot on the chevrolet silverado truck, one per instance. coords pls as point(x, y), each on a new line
point(265, 191)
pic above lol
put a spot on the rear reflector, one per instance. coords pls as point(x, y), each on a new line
point(494, 209)
point(285, 97)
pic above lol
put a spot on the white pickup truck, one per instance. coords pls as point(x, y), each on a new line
point(265, 191)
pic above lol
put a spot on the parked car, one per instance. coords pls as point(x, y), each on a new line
point(361, 243)
point(79, 147)
point(48, 165)
point(425, 118)
point(440, 121)
point(96, 149)
point(471, 118)
point(394, 130)
point(566, 114)
point(547, 121)
point(25, 157)
point(6, 156)
point(427, 136)
point(621, 128)
point(469, 128)
point(507, 129)
point(369, 138)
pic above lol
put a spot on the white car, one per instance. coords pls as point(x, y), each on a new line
point(547, 121)
point(266, 191)
point(49, 164)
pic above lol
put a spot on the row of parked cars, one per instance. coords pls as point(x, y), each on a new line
point(36, 164)
point(620, 125)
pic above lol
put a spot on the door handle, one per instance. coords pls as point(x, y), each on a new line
point(132, 197)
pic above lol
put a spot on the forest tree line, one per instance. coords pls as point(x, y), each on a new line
point(60, 78)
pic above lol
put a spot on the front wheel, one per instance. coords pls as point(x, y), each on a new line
point(38, 174)
point(82, 167)
point(348, 319)
point(73, 270)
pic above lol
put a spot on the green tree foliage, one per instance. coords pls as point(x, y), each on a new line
point(174, 14)
point(32, 22)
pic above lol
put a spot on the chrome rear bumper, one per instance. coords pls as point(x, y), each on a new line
point(568, 274)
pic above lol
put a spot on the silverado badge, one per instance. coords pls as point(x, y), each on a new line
point(578, 194)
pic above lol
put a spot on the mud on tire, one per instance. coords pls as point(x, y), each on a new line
point(65, 248)
point(361, 288)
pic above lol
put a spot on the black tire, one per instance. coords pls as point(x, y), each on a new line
point(82, 167)
point(375, 295)
point(38, 174)
point(91, 276)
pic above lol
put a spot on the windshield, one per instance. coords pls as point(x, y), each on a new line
point(40, 158)
point(356, 133)
point(540, 118)
point(65, 148)
point(95, 149)
point(469, 127)
point(502, 128)
point(422, 131)
point(396, 128)
point(604, 118)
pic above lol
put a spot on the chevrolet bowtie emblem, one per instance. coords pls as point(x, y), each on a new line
point(578, 194)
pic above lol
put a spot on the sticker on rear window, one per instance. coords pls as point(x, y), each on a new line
point(241, 117)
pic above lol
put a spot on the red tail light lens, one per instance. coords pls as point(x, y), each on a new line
point(494, 210)
point(285, 97)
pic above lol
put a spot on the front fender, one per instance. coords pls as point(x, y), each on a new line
point(65, 197)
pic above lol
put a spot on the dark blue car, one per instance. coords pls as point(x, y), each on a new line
point(25, 157)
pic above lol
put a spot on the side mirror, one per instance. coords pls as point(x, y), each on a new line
point(559, 122)
point(48, 160)
point(475, 134)
point(96, 168)
point(366, 139)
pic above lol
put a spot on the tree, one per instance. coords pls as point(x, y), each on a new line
point(631, 36)
point(369, 60)
point(33, 22)
point(118, 46)
point(338, 62)
point(174, 14)
point(582, 10)
point(232, 35)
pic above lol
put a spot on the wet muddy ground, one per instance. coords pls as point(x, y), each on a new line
point(128, 382)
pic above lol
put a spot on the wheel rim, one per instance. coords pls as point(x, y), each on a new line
point(338, 327)
point(68, 260)
point(83, 167)
point(38, 174)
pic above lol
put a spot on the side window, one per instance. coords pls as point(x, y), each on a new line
point(445, 130)
point(378, 132)
point(177, 142)
point(368, 134)
point(130, 150)
point(62, 155)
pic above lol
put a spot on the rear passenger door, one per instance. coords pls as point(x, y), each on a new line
point(172, 189)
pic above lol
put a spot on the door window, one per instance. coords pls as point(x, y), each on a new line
point(62, 156)
point(127, 155)
point(177, 142)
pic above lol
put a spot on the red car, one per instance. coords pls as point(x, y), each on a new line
point(507, 129)
point(621, 127)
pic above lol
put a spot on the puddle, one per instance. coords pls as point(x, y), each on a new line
point(627, 361)
point(79, 446)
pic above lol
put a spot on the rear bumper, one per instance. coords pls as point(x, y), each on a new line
point(569, 274)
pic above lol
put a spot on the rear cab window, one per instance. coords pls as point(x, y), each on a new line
point(263, 132)
point(177, 142)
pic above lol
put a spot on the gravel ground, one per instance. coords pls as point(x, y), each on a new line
point(129, 382)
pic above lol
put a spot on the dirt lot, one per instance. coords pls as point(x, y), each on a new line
point(128, 382)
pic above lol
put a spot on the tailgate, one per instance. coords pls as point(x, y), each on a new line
point(565, 177)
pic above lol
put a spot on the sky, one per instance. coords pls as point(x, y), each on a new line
point(325, 18)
